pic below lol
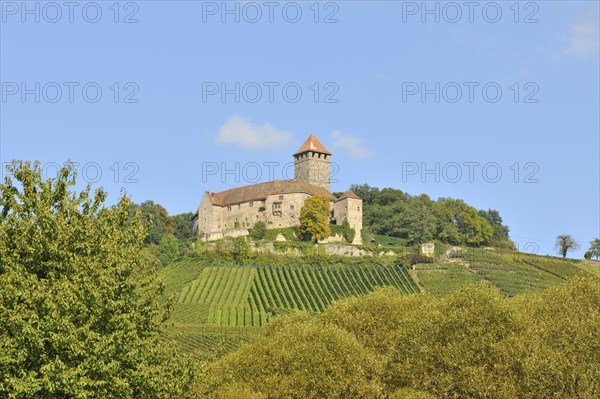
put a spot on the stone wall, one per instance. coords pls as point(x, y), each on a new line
point(351, 209)
point(215, 221)
point(209, 218)
point(314, 168)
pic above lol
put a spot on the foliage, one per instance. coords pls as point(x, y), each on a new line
point(407, 393)
point(258, 231)
point(80, 312)
point(565, 243)
point(418, 219)
point(168, 249)
point(182, 226)
point(587, 255)
point(298, 357)
point(500, 232)
point(595, 248)
point(462, 224)
point(241, 251)
point(314, 218)
point(348, 232)
point(157, 216)
point(288, 233)
point(474, 343)
point(413, 259)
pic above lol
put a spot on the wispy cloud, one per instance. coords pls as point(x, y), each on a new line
point(245, 133)
point(584, 35)
point(354, 146)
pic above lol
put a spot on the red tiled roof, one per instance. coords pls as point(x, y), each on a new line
point(312, 143)
point(260, 191)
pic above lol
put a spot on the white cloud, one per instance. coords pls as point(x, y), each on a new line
point(584, 35)
point(354, 146)
point(245, 133)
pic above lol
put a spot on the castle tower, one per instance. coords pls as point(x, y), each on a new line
point(312, 163)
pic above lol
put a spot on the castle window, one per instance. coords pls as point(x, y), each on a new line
point(358, 208)
point(277, 209)
point(251, 203)
point(228, 208)
point(281, 198)
point(291, 207)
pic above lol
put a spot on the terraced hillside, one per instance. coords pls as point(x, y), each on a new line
point(232, 295)
point(512, 272)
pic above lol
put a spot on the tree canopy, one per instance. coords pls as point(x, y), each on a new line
point(419, 219)
point(79, 310)
point(564, 244)
point(314, 218)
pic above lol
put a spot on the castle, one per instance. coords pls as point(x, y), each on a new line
point(277, 203)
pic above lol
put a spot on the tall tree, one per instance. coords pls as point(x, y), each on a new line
point(157, 215)
point(565, 243)
point(182, 225)
point(314, 218)
point(595, 248)
point(80, 312)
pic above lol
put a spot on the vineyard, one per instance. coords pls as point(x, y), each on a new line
point(230, 295)
point(513, 273)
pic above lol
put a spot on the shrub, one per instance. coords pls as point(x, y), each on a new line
point(258, 232)
point(348, 232)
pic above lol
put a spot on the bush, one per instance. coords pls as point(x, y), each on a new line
point(258, 231)
point(299, 357)
point(413, 259)
point(168, 249)
point(348, 232)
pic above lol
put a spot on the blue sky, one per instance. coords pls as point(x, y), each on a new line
point(495, 103)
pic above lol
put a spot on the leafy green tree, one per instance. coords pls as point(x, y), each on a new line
point(157, 215)
point(168, 249)
point(417, 222)
point(241, 250)
point(461, 224)
point(314, 218)
point(298, 356)
point(595, 248)
point(182, 225)
point(500, 231)
point(80, 313)
point(564, 244)
point(258, 231)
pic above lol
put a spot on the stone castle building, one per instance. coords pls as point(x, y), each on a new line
point(277, 203)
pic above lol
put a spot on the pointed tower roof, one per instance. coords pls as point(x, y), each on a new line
point(312, 143)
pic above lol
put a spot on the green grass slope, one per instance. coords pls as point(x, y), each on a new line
point(512, 272)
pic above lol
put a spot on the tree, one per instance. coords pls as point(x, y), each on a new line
point(565, 243)
point(595, 248)
point(182, 225)
point(80, 312)
point(462, 224)
point(168, 249)
point(500, 231)
point(314, 218)
point(157, 215)
point(298, 356)
point(258, 231)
